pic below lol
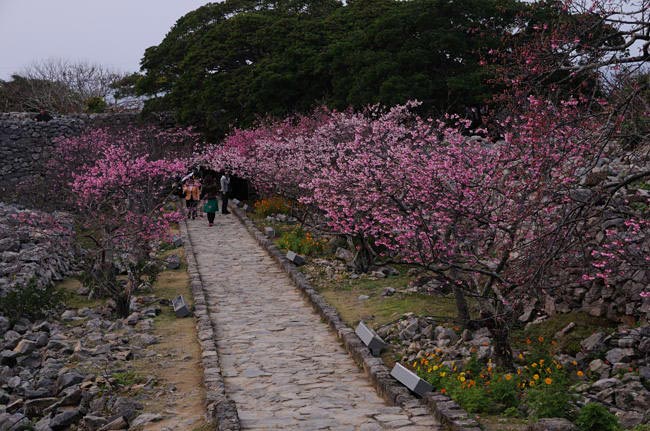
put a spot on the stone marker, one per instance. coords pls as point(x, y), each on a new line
point(409, 379)
point(180, 306)
point(295, 258)
point(370, 339)
point(269, 232)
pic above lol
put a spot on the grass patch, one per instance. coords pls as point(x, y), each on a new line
point(72, 299)
point(127, 378)
point(570, 343)
point(378, 310)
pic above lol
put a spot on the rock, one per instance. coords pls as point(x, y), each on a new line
point(11, 338)
point(41, 339)
point(43, 424)
point(389, 271)
point(69, 315)
point(644, 373)
point(93, 423)
point(605, 384)
point(35, 407)
point(442, 333)
point(13, 422)
point(568, 328)
point(14, 382)
point(68, 379)
point(527, 315)
point(594, 343)
point(132, 319)
point(126, 407)
point(173, 262)
point(629, 420)
point(377, 274)
point(144, 419)
point(4, 324)
point(117, 424)
point(25, 347)
point(389, 291)
point(599, 367)
point(8, 357)
point(363, 297)
point(344, 254)
point(71, 396)
point(64, 419)
point(552, 424)
point(269, 232)
point(177, 241)
point(620, 355)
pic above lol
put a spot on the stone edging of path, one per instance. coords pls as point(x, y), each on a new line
point(447, 411)
point(220, 409)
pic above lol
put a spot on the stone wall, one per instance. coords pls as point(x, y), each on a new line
point(25, 143)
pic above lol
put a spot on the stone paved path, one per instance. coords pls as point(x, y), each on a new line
point(281, 365)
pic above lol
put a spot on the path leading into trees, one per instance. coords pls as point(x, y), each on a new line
point(281, 365)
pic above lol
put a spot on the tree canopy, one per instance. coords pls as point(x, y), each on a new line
point(227, 64)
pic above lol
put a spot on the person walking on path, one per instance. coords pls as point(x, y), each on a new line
point(210, 193)
point(192, 190)
point(225, 192)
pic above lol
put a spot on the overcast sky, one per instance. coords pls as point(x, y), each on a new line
point(113, 33)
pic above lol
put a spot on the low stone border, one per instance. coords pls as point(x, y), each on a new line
point(220, 408)
point(447, 411)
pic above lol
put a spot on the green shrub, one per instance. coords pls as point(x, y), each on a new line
point(302, 242)
point(95, 105)
point(31, 301)
point(595, 417)
point(549, 401)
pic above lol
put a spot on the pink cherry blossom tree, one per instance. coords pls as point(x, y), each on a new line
point(118, 183)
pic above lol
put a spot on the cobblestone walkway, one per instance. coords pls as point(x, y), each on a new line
point(281, 365)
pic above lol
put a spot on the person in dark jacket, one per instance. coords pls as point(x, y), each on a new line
point(225, 192)
point(210, 194)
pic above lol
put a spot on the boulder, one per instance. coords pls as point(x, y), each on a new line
point(117, 424)
point(594, 343)
point(93, 423)
point(25, 347)
point(144, 419)
point(344, 254)
point(64, 419)
point(68, 379)
point(620, 355)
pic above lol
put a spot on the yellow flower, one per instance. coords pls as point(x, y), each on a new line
point(548, 370)
point(461, 378)
point(548, 380)
point(415, 364)
point(443, 374)
point(508, 377)
point(534, 364)
point(536, 376)
point(435, 368)
point(531, 384)
point(574, 363)
point(521, 356)
point(580, 373)
point(540, 339)
point(519, 371)
point(541, 362)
